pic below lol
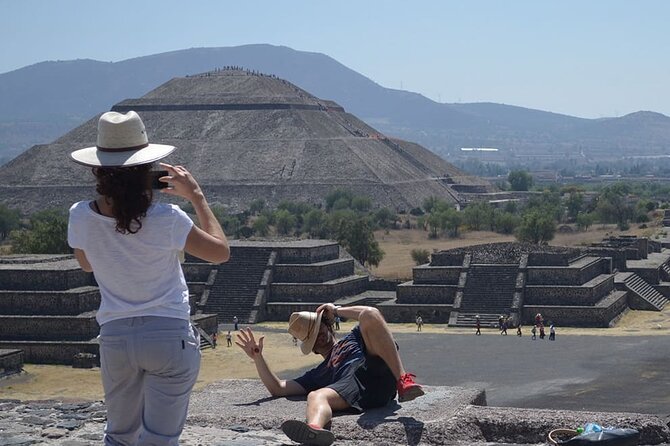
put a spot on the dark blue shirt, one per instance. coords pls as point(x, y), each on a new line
point(347, 355)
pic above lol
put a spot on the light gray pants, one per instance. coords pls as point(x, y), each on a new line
point(149, 366)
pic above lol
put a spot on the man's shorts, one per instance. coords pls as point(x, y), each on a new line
point(367, 384)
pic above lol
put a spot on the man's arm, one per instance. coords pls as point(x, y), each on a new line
point(354, 312)
point(253, 349)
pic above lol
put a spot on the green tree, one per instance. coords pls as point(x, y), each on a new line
point(359, 240)
point(47, 235)
point(9, 220)
point(505, 222)
point(284, 222)
point(339, 194)
point(536, 227)
point(361, 204)
point(314, 223)
point(384, 218)
point(261, 226)
point(574, 204)
point(613, 206)
point(451, 220)
point(478, 216)
point(420, 256)
point(584, 221)
point(520, 180)
point(256, 206)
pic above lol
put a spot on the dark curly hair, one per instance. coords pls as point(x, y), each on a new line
point(129, 189)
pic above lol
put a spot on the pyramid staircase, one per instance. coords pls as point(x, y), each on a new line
point(642, 290)
point(237, 284)
point(488, 292)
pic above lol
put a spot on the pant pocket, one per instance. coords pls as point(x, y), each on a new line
point(114, 359)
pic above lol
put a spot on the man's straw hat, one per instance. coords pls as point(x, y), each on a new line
point(122, 142)
point(304, 326)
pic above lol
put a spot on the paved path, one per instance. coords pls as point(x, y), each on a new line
point(601, 373)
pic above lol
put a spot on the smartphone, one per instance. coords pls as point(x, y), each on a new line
point(155, 175)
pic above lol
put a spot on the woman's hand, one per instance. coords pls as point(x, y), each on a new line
point(247, 343)
point(182, 183)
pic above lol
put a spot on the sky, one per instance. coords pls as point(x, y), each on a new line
point(586, 58)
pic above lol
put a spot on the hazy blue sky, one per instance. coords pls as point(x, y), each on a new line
point(588, 58)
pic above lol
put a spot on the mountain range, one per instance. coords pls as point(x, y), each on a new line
point(40, 102)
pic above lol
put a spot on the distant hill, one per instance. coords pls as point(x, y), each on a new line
point(40, 102)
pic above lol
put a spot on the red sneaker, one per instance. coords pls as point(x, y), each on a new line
point(307, 434)
point(407, 388)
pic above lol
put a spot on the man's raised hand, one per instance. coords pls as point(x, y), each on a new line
point(247, 342)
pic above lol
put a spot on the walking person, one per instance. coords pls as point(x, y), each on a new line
point(236, 321)
point(337, 323)
point(541, 331)
point(229, 339)
point(419, 322)
point(149, 352)
point(214, 339)
point(361, 371)
point(518, 330)
point(503, 329)
point(552, 333)
point(533, 332)
point(478, 325)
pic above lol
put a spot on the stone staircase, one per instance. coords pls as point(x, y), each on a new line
point(237, 283)
point(645, 291)
point(665, 272)
point(489, 291)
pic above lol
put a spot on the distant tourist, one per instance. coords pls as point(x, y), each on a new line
point(541, 331)
point(236, 322)
point(337, 322)
point(229, 339)
point(501, 318)
point(518, 329)
point(419, 322)
point(552, 333)
point(533, 333)
point(503, 330)
point(361, 371)
point(124, 238)
point(214, 338)
point(478, 325)
point(538, 320)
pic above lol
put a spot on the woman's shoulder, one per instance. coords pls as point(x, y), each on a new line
point(80, 207)
point(165, 210)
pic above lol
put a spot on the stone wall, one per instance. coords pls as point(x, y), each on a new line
point(49, 328)
point(549, 258)
point(561, 275)
point(446, 259)
point(11, 361)
point(406, 313)
point(650, 275)
point(320, 272)
point(618, 256)
point(61, 352)
point(312, 254)
point(45, 280)
point(447, 275)
point(49, 302)
point(379, 284)
point(567, 295)
point(410, 293)
point(601, 315)
point(317, 292)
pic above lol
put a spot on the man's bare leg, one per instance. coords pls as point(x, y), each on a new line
point(379, 340)
point(321, 404)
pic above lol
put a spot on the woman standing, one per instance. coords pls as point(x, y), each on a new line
point(149, 352)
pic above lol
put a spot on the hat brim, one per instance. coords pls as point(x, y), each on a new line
point(91, 156)
point(307, 346)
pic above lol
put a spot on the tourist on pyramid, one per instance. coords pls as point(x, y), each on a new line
point(361, 371)
point(478, 325)
point(149, 352)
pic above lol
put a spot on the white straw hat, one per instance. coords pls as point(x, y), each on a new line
point(304, 325)
point(122, 142)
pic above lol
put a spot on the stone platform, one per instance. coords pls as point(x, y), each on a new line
point(11, 361)
point(239, 413)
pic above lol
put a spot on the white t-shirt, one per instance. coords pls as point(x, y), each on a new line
point(138, 274)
